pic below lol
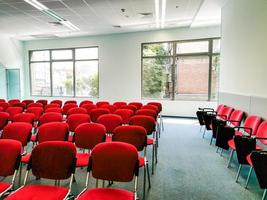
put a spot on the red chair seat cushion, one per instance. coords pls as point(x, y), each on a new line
point(106, 194)
point(33, 138)
point(231, 144)
point(82, 159)
point(108, 138)
point(150, 141)
point(238, 133)
point(141, 161)
point(26, 158)
point(70, 138)
point(40, 192)
point(3, 186)
point(249, 160)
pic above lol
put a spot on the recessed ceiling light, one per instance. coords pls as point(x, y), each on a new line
point(36, 4)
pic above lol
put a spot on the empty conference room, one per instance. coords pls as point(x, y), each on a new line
point(133, 99)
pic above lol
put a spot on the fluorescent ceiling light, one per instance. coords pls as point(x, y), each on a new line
point(36, 4)
point(157, 12)
point(70, 25)
point(163, 13)
point(54, 15)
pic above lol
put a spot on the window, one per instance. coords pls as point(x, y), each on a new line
point(186, 70)
point(64, 72)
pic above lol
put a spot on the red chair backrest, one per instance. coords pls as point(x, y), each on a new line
point(50, 117)
point(236, 115)
point(151, 107)
point(19, 104)
point(68, 106)
point(4, 105)
point(119, 104)
point(2, 100)
point(95, 113)
point(219, 108)
point(138, 105)
point(35, 105)
point(3, 119)
point(262, 132)
point(131, 107)
point(87, 135)
point(85, 102)
point(110, 121)
point(12, 101)
point(52, 105)
point(58, 110)
point(42, 101)
point(101, 103)
point(135, 135)
point(13, 111)
point(59, 102)
point(147, 122)
point(226, 112)
point(115, 161)
point(24, 117)
point(147, 112)
point(28, 101)
point(9, 156)
point(53, 160)
point(111, 108)
point(89, 107)
point(70, 101)
point(77, 110)
point(37, 111)
point(53, 131)
point(20, 131)
point(125, 114)
point(158, 104)
point(253, 122)
point(75, 120)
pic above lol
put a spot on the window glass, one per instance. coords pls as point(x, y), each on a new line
point(40, 79)
point(192, 47)
point(40, 56)
point(216, 46)
point(61, 54)
point(157, 49)
point(86, 53)
point(215, 77)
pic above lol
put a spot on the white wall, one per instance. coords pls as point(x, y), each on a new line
point(120, 63)
point(244, 55)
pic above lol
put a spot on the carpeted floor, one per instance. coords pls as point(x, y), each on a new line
point(188, 169)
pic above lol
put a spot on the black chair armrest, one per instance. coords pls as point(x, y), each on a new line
point(203, 109)
point(245, 128)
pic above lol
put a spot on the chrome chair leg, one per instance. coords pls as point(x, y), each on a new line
point(230, 158)
point(249, 174)
point(264, 194)
point(238, 172)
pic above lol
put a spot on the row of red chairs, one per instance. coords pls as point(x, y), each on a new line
point(116, 161)
point(247, 136)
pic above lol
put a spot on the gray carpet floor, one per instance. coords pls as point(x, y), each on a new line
point(188, 169)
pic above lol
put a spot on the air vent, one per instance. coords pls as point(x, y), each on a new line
point(145, 15)
point(116, 26)
point(44, 36)
point(55, 23)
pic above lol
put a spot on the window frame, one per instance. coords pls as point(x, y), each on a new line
point(74, 60)
point(174, 56)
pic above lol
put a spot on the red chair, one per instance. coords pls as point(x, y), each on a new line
point(52, 105)
point(85, 102)
point(19, 104)
point(149, 124)
point(13, 111)
point(70, 101)
point(89, 107)
point(249, 127)
point(159, 105)
point(76, 110)
point(125, 114)
point(12, 101)
point(110, 121)
point(24, 117)
point(112, 161)
point(95, 113)
point(42, 101)
point(74, 121)
point(151, 107)
point(59, 102)
point(68, 106)
point(28, 101)
point(1, 109)
point(137, 136)
point(2, 100)
point(51, 160)
point(20, 131)
point(147, 112)
point(4, 116)
point(35, 105)
point(50, 117)
point(37, 111)
point(86, 137)
point(130, 107)
point(119, 104)
point(111, 108)
point(58, 110)
point(101, 103)
point(9, 163)
point(138, 105)
point(4, 105)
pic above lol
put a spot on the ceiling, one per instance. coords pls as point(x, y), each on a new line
point(21, 20)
